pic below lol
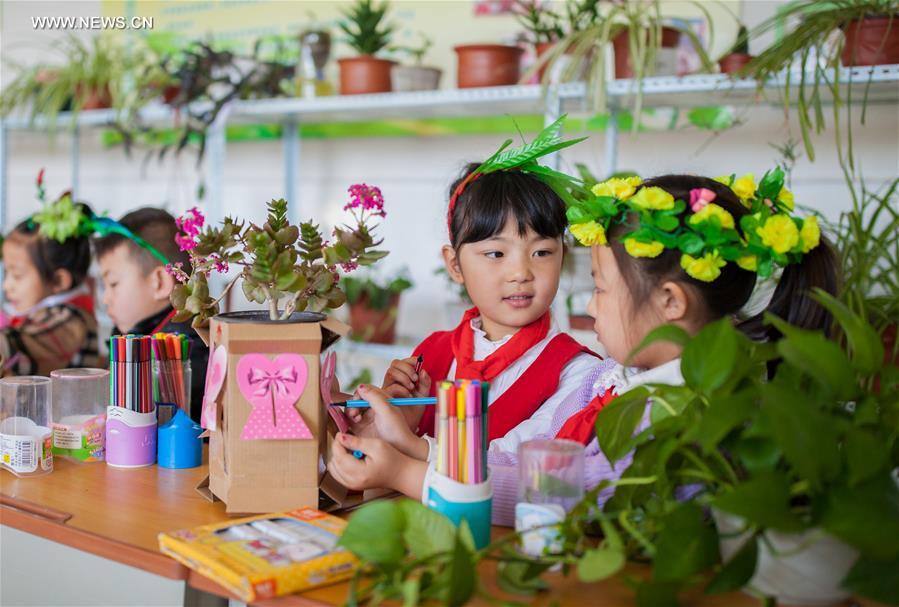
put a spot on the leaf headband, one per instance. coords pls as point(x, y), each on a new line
point(524, 159)
point(707, 236)
point(64, 219)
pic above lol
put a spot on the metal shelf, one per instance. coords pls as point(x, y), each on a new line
point(662, 91)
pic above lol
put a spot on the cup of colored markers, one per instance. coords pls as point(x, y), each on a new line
point(459, 485)
point(131, 416)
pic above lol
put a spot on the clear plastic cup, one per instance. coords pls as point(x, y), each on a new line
point(25, 436)
point(80, 398)
point(550, 483)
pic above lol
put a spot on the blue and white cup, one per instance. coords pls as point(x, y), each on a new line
point(462, 501)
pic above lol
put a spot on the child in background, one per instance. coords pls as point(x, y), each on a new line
point(137, 286)
point(505, 231)
point(52, 324)
point(640, 283)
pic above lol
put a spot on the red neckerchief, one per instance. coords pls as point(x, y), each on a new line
point(581, 426)
point(485, 370)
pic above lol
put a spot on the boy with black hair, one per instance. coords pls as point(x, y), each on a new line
point(137, 286)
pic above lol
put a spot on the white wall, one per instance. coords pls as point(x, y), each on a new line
point(414, 174)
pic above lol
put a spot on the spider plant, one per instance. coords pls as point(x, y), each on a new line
point(813, 47)
point(586, 48)
point(867, 237)
point(104, 72)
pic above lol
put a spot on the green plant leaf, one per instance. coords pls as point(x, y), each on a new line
point(600, 563)
point(763, 500)
point(703, 371)
point(617, 421)
point(655, 593)
point(724, 413)
point(864, 342)
point(687, 545)
point(817, 356)
point(518, 577)
point(757, 453)
point(865, 516)
point(807, 437)
point(669, 333)
point(737, 572)
point(373, 533)
point(461, 573)
point(866, 454)
point(874, 579)
point(427, 532)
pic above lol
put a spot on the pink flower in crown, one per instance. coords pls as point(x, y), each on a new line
point(185, 243)
point(700, 197)
point(349, 266)
point(221, 265)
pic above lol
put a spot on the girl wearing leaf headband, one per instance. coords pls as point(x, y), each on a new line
point(52, 322)
point(506, 219)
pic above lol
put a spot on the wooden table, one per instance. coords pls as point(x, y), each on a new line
point(117, 514)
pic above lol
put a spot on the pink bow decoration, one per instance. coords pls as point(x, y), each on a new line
point(700, 198)
point(265, 381)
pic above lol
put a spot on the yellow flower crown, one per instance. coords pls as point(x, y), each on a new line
point(707, 236)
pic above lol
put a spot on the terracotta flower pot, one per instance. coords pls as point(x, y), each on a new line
point(488, 65)
point(734, 62)
point(871, 41)
point(670, 39)
point(580, 322)
point(374, 326)
point(364, 74)
point(94, 98)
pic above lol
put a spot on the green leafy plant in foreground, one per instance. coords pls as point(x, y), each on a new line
point(809, 451)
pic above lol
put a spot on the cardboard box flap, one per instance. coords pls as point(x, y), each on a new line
point(332, 330)
point(204, 490)
point(203, 332)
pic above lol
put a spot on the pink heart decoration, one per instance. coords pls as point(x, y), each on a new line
point(329, 365)
point(216, 370)
point(273, 387)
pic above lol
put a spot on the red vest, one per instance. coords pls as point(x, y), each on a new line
point(520, 400)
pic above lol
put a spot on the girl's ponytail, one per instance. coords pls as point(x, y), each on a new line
point(792, 300)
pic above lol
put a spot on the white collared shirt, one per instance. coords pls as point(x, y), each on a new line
point(573, 376)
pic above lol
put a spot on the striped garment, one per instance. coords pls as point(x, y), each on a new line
point(504, 465)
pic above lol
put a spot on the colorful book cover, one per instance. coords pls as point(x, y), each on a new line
point(260, 557)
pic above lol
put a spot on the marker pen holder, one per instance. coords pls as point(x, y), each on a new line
point(25, 436)
point(179, 444)
point(80, 400)
point(171, 386)
point(130, 438)
point(458, 501)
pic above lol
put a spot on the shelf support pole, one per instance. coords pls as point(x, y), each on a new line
point(291, 141)
point(76, 160)
point(551, 113)
point(612, 143)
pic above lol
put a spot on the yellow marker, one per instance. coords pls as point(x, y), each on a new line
point(460, 422)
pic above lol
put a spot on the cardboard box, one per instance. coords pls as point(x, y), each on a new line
point(257, 476)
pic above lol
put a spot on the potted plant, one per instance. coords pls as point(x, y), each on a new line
point(367, 35)
point(263, 404)
point(733, 61)
point(803, 460)
point(546, 27)
point(102, 73)
point(374, 303)
point(808, 48)
point(636, 31)
point(416, 77)
point(481, 65)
